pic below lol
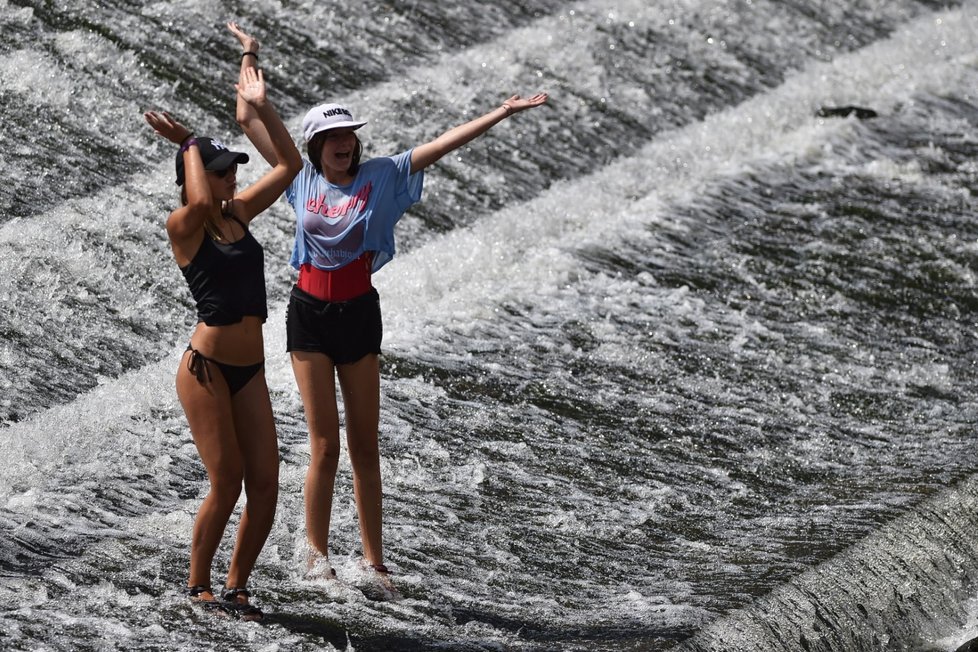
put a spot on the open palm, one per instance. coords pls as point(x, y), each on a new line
point(251, 88)
point(517, 103)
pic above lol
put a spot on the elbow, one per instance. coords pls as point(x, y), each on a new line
point(288, 167)
point(242, 116)
point(246, 122)
point(198, 205)
point(293, 162)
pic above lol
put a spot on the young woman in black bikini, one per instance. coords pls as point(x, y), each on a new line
point(221, 380)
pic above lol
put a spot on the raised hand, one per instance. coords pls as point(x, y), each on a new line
point(164, 124)
point(248, 43)
point(251, 86)
point(515, 104)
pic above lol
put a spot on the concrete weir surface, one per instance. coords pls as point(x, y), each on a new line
point(899, 588)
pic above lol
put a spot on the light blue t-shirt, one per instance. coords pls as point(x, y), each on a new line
point(335, 225)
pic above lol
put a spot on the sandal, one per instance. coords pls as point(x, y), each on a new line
point(243, 610)
point(194, 593)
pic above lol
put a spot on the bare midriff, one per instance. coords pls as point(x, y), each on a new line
point(240, 343)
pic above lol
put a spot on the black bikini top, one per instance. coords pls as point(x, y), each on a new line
point(227, 280)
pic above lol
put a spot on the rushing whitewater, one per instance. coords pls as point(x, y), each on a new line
point(660, 358)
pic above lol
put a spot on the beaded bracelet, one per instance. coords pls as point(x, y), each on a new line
point(254, 54)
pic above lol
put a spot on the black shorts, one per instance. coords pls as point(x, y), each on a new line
point(344, 330)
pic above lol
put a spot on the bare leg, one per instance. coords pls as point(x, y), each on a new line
point(360, 384)
point(314, 374)
point(208, 410)
point(258, 444)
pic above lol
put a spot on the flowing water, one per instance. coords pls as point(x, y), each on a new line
point(653, 352)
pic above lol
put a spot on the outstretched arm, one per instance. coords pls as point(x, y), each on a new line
point(260, 195)
point(425, 155)
point(246, 115)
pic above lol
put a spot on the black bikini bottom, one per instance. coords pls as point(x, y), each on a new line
point(236, 376)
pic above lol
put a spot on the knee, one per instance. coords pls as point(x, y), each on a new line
point(226, 487)
point(325, 455)
point(364, 455)
point(262, 487)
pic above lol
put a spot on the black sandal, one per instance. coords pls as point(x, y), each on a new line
point(243, 610)
point(194, 592)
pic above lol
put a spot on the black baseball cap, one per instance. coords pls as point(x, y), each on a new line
point(214, 153)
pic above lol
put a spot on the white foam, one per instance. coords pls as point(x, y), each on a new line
point(526, 251)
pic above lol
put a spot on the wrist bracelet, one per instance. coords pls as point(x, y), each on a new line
point(187, 143)
point(509, 109)
point(254, 54)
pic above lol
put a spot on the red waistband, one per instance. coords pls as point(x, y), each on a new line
point(343, 284)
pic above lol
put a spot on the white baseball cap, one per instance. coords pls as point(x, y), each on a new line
point(328, 116)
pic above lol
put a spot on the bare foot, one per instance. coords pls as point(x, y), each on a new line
point(380, 588)
point(318, 566)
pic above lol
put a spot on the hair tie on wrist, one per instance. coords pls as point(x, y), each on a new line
point(187, 143)
point(254, 54)
point(509, 110)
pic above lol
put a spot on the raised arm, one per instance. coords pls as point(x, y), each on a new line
point(260, 195)
point(246, 115)
point(186, 221)
point(425, 155)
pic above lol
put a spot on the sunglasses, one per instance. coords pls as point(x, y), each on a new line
point(223, 174)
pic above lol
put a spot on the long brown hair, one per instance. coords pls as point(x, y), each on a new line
point(314, 148)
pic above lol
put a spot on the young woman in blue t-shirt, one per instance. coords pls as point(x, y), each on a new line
point(346, 211)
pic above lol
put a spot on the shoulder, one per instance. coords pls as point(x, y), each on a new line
point(378, 163)
point(308, 171)
point(237, 211)
point(305, 179)
point(387, 164)
point(306, 175)
point(183, 222)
